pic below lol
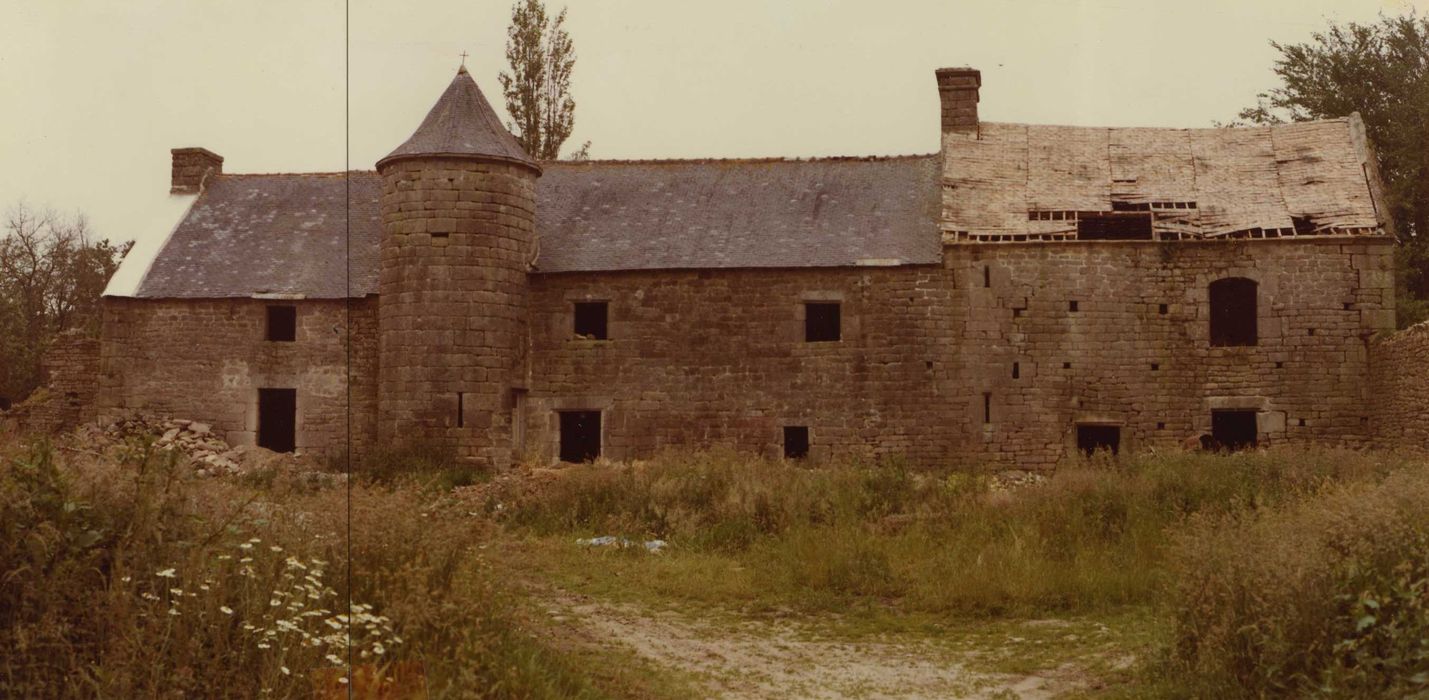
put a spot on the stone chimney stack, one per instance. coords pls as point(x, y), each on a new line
point(191, 166)
point(958, 92)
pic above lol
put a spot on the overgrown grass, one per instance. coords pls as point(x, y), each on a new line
point(1328, 597)
point(1282, 573)
point(413, 463)
point(123, 576)
point(1092, 537)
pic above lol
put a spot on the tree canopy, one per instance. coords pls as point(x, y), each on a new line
point(537, 88)
point(1380, 70)
point(52, 274)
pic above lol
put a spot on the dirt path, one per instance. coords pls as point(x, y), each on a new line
point(784, 659)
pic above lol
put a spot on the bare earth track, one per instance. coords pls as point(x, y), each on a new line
point(786, 659)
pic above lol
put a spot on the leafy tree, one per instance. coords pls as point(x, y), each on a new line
point(538, 87)
point(1380, 70)
point(52, 275)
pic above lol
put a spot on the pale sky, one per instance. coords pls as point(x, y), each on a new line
point(93, 94)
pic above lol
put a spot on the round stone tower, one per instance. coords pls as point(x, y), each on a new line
point(458, 208)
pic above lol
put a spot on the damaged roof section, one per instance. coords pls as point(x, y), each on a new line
point(1017, 182)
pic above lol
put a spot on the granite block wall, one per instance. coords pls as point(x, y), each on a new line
point(205, 359)
point(456, 242)
point(982, 358)
point(1399, 385)
point(927, 362)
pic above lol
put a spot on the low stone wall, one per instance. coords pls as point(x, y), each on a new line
point(1399, 382)
point(71, 373)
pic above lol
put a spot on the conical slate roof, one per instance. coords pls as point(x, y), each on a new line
point(462, 123)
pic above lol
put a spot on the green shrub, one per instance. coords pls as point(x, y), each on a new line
point(1326, 597)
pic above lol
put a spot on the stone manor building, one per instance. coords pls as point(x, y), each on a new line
point(1026, 292)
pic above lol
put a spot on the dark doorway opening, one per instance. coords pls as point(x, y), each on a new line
point(1097, 438)
point(1233, 430)
point(1233, 312)
point(580, 436)
point(796, 441)
point(278, 419)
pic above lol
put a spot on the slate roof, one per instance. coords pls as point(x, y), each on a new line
point(272, 234)
point(635, 215)
point(462, 123)
point(1291, 179)
point(287, 234)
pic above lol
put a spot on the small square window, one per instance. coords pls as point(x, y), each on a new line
point(282, 324)
point(821, 322)
point(591, 320)
point(1163, 309)
point(1072, 306)
point(796, 441)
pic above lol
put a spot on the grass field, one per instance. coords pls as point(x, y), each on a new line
point(1270, 574)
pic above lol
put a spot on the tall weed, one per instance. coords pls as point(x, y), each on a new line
point(1328, 597)
point(1092, 535)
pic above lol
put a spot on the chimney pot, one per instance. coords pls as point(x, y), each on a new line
point(191, 166)
point(958, 92)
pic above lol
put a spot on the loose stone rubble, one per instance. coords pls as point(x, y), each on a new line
point(207, 453)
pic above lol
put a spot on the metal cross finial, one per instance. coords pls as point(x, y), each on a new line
point(463, 59)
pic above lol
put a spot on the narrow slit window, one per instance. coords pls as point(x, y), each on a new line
point(282, 324)
point(822, 322)
point(987, 407)
point(1233, 312)
point(592, 320)
point(796, 441)
point(986, 276)
point(1016, 370)
point(460, 409)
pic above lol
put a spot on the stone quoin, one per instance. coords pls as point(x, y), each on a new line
point(1026, 292)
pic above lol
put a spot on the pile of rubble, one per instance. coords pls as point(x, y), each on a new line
point(1012, 480)
point(210, 454)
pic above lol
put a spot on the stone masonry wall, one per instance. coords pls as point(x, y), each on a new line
point(456, 243)
point(717, 356)
point(1399, 385)
point(206, 359)
point(71, 371)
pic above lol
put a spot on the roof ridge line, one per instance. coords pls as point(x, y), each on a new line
point(1331, 120)
point(758, 159)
